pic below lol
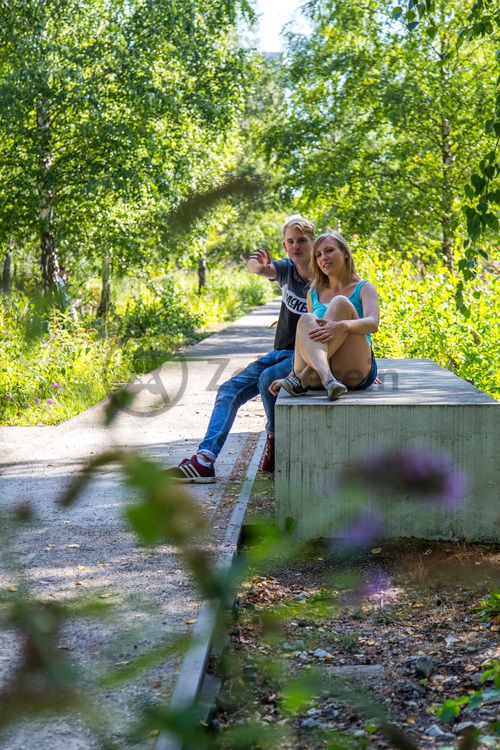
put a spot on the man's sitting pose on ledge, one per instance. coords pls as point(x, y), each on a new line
point(293, 275)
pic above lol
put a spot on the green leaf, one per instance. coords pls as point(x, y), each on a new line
point(489, 695)
point(492, 221)
point(474, 226)
point(118, 401)
point(478, 183)
point(300, 691)
point(451, 708)
point(147, 521)
point(397, 12)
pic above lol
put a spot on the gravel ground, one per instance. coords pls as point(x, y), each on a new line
point(88, 552)
point(396, 625)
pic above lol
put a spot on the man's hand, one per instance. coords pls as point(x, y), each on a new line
point(327, 330)
point(262, 256)
point(260, 262)
point(275, 386)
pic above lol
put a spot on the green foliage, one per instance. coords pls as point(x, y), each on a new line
point(481, 209)
point(44, 377)
point(155, 321)
point(420, 317)
point(56, 366)
point(104, 126)
point(383, 123)
point(451, 708)
point(489, 608)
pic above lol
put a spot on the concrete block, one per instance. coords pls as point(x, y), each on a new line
point(418, 406)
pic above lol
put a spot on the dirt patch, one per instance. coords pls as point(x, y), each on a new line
point(387, 634)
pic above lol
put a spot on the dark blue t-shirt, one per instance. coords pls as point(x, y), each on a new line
point(293, 303)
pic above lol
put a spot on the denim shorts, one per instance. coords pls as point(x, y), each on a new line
point(368, 381)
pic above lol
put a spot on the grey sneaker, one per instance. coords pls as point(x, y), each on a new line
point(334, 389)
point(292, 385)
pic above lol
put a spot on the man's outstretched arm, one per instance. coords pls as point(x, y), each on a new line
point(260, 263)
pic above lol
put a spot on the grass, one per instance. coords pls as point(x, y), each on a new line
point(53, 366)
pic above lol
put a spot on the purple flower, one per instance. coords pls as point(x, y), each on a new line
point(51, 401)
point(363, 531)
point(430, 476)
point(37, 400)
point(8, 396)
point(26, 405)
point(56, 386)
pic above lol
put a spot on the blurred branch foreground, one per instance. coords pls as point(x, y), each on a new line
point(158, 512)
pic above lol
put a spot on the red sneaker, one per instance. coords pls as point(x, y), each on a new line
point(191, 470)
point(268, 456)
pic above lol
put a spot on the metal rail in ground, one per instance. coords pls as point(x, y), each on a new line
point(191, 678)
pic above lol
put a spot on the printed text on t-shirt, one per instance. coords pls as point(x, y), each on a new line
point(294, 303)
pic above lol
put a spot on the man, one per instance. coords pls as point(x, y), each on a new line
point(293, 275)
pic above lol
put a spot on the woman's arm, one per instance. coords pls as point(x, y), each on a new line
point(371, 318)
point(329, 329)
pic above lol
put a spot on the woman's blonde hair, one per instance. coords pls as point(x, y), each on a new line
point(320, 278)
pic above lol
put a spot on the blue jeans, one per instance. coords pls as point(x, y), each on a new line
point(256, 378)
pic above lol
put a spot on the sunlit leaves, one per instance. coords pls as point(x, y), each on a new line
point(382, 142)
point(137, 96)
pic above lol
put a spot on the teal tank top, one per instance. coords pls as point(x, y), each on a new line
point(319, 309)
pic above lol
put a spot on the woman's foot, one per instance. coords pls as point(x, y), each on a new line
point(293, 385)
point(334, 389)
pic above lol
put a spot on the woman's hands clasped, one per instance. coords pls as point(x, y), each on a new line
point(327, 330)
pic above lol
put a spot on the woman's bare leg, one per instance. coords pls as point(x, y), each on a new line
point(350, 358)
point(309, 352)
point(347, 358)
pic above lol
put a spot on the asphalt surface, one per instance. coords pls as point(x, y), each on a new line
point(88, 550)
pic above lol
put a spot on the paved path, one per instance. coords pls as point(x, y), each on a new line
point(87, 549)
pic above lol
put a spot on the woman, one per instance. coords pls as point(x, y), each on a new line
point(333, 343)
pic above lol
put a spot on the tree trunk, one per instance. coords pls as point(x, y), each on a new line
point(48, 254)
point(447, 195)
point(202, 273)
point(446, 158)
point(104, 303)
point(6, 273)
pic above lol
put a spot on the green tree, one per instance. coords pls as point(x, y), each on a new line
point(110, 112)
point(383, 121)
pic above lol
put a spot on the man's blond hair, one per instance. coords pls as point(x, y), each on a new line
point(296, 220)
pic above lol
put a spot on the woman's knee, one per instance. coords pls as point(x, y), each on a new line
point(341, 305)
point(306, 321)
